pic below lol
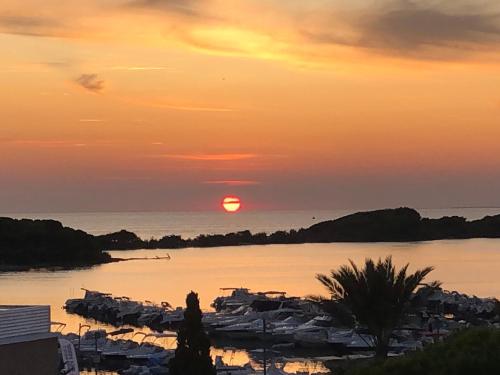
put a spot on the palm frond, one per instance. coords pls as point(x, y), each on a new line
point(377, 294)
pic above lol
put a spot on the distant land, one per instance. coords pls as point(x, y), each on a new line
point(27, 243)
point(388, 225)
point(41, 243)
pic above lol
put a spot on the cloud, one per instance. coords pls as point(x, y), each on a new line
point(311, 33)
point(59, 65)
point(193, 108)
point(91, 120)
point(410, 27)
point(183, 7)
point(90, 82)
point(43, 143)
point(212, 157)
point(414, 29)
point(233, 182)
point(141, 68)
point(29, 25)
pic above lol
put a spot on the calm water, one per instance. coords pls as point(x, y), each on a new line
point(470, 266)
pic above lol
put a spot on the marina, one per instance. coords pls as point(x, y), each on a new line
point(286, 326)
point(284, 329)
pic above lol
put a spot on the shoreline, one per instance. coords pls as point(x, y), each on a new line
point(66, 267)
point(51, 267)
point(302, 243)
point(49, 245)
point(69, 267)
point(389, 225)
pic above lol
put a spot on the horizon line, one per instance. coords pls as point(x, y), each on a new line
point(2, 213)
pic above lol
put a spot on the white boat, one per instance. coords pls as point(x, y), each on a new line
point(119, 349)
point(243, 330)
point(150, 351)
point(313, 333)
point(340, 338)
point(311, 338)
point(361, 341)
point(69, 358)
point(172, 317)
point(238, 297)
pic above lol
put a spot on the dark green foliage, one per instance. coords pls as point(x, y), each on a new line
point(389, 225)
point(377, 295)
point(475, 351)
point(192, 356)
point(46, 243)
point(119, 240)
point(400, 224)
point(445, 227)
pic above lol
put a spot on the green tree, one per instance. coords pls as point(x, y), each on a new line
point(377, 295)
point(192, 356)
point(473, 351)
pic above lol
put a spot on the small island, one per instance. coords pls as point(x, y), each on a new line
point(29, 243)
point(26, 244)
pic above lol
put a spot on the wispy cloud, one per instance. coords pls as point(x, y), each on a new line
point(413, 29)
point(57, 64)
point(194, 108)
point(91, 120)
point(90, 82)
point(141, 68)
point(211, 157)
point(327, 31)
point(43, 143)
point(298, 32)
point(189, 8)
point(29, 25)
point(232, 182)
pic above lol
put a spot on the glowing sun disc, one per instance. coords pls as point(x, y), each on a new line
point(231, 204)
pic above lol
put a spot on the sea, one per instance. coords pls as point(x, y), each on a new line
point(469, 266)
point(191, 224)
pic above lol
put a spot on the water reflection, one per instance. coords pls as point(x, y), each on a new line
point(470, 266)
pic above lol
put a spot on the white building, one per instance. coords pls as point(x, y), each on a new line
point(27, 347)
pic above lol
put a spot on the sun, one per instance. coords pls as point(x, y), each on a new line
point(231, 204)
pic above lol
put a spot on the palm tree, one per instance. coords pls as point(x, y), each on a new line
point(377, 295)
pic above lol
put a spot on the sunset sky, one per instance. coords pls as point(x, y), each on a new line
point(117, 105)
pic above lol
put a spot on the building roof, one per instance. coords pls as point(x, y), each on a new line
point(17, 321)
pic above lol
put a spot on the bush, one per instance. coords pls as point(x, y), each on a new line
point(474, 351)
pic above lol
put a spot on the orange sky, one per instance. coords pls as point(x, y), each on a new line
point(169, 105)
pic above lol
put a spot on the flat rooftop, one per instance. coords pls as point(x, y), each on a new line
point(23, 320)
point(10, 307)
